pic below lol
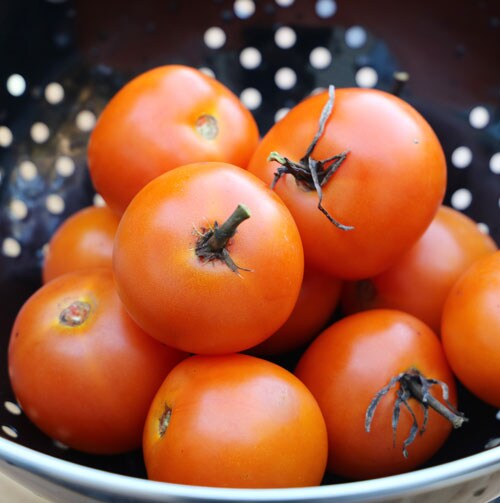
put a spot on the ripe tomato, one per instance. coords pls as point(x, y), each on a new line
point(318, 298)
point(222, 298)
point(164, 118)
point(419, 281)
point(234, 421)
point(348, 364)
point(470, 328)
point(85, 239)
point(389, 183)
point(82, 371)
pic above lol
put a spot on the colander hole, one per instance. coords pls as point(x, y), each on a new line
point(18, 209)
point(11, 247)
point(285, 3)
point(16, 85)
point(495, 163)
point(355, 37)
point(285, 37)
point(45, 249)
point(65, 166)
point(320, 58)
point(251, 98)
point(250, 58)
point(85, 120)
point(461, 157)
point(40, 132)
point(366, 76)
point(54, 204)
point(479, 117)
point(6, 136)
point(99, 200)
point(461, 199)
point(54, 93)
point(214, 37)
point(326, 8)
point(28, 170)
point(317, 90)
point(280, 114)
point(483, 228)
point(12, 407)
point(244, 8)
point(207, 71)
point(285, 78)
point(9, 431)
point(60, 445)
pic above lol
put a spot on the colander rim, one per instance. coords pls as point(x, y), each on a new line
point(71, 474)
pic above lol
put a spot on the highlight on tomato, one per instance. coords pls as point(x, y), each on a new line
point(362, 173)
point(164, 118)
point(315, 307)
point(234, 421)
point(470, 328)
point(81, 369)
point(208, 259)
point(419, 281)
point(386, 392)
point(85, 239)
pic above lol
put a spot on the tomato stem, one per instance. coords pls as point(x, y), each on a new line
point(212, 245)
point(311, 173)
point(412, 384)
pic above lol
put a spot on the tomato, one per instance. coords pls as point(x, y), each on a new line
point(419, 281)
point(166, 117)
point(318, 298)
point(234, 421)
point(85, 239)
point(192, 290)
point(389, 181)
point(82, 371)
point(470, 327)
point(353, 360)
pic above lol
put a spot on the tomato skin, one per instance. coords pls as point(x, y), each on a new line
point(394, 160)
point(236, 421)
point(470, 327)
point(149, 127)
point(85, 239)
point(419, 281)
point(348, 364)
point(318, 298)
point(195, 305)
point(88, 386)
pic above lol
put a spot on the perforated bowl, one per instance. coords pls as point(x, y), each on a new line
point(60, 61)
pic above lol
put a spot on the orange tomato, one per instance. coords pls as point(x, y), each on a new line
point(164, 118)
point(81, 369)
point(353, 360)
point(419, 281)
point(470, 328)
point(83, 240)
point(389, 182)
point(318, 298)
point(222, 298)
point(234, 421)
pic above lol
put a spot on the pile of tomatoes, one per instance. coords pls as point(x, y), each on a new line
point(161, 312)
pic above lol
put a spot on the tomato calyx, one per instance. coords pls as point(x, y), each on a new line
point(310, 173)
point(164, 420)
point(212, 243)
point(207, 126)
point(75, 314)
point(412, 384)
